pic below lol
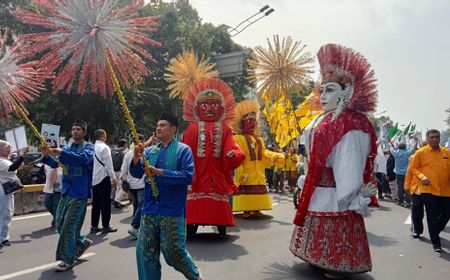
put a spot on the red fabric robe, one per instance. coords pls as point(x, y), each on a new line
point(207, 202)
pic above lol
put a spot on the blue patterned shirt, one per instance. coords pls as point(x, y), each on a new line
point(172, 185)
point(77, 171)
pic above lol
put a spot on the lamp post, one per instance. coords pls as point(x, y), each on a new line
point(263, 12)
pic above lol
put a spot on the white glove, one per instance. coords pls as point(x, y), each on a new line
point(367, 190)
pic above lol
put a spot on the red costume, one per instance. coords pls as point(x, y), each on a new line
point(209, 106)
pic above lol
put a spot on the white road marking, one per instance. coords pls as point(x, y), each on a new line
point(37, 268)
point(408, 220)
point(25, 217)
point(30, 216)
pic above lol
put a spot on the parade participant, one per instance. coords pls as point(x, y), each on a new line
point(252, 195)
point(8, 172)
point(341, 147)
point(431, 166)
point(163, 226)
point(76, 188)
point(209, 106)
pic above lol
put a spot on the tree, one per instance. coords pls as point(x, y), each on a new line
point(181, 28)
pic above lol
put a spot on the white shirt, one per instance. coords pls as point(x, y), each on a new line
point(103, 153)
point(380, 162)
point(49, 172)
point(6, 175)
point(348, 160)
point(135, 183)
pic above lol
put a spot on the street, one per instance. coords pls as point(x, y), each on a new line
point(254, 249)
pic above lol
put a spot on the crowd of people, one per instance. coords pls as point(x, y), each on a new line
point(221, 165)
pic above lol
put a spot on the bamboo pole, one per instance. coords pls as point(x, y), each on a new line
point(130, 121)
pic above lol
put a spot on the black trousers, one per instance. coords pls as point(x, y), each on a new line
point(101, 203)
point(402, 195)
point(444, 212)
point(382, 184)
point(431, 203)
point(417, 212)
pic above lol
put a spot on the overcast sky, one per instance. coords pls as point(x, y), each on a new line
point(407, 42)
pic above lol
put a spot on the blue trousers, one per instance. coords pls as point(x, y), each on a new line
point(167, 235)
point(69, 220)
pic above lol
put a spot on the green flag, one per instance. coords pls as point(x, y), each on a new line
point(392, 131)
point(406, 131)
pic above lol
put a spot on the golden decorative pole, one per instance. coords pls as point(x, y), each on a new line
point(24, 116)
point(130, 121)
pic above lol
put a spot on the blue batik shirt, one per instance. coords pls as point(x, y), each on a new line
point(172, 185)
point(401, 157)
point(77, 160)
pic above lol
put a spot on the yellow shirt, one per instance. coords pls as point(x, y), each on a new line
point(291, 162)
point(434, 165)
point(411, 181)
point(253, 172)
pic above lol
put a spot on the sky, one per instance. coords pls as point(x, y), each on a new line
point(407, 42)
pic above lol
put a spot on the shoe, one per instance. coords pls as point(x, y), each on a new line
point(86, 244)
point(246, 215)
point(133, 232)
point(416, 235)
point(108, 230)
point(116, 204)
point(94, 230)
point(257, 213)
point(62, 266)
point(6, 243)
point(437, 248)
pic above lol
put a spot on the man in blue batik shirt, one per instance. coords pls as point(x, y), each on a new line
point(401, 156)
point(76, 188)
point(163, 223)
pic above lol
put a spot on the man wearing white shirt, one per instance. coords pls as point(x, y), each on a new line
point(103, 178)
point(380, 172)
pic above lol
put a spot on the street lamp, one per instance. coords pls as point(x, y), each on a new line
point(263, 12)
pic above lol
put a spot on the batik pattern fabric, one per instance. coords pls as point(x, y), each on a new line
point(334, 242)
point(167, 235)
point(69, 220)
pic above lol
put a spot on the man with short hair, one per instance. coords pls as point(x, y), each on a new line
point(103, 180)
point(163, 224)
point(76, 159)
point(431, 166)
point(401, 156)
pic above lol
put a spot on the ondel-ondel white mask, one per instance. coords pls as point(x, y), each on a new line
point(331, 94)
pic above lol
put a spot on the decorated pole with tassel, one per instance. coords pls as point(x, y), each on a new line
point(130, 121)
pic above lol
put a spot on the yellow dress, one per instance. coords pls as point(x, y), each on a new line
point(250, 176)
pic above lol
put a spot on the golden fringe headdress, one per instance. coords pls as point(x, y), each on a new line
point(243, 108)
point(185, 70)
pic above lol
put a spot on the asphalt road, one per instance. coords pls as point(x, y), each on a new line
point(254, 249)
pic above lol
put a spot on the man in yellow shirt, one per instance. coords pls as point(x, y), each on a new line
point(431, 166)
point(291, 173)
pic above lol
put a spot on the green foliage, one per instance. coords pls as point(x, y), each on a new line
point(181, 28)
